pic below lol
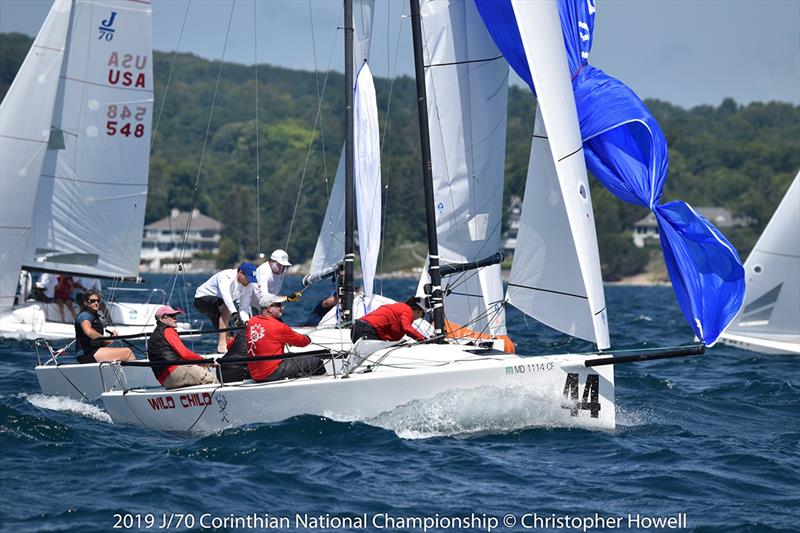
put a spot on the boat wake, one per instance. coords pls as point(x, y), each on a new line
point(490, 409)
point(68, 405)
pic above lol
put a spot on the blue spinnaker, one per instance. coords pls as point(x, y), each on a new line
point(626, 150)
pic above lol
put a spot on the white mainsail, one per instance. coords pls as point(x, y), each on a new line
point(466, 81)
point(25, 117)
point(771, 309)
point(330, 243)
point(90, 201)
point(566, 298)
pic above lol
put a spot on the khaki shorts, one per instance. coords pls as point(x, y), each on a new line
point(187, 375)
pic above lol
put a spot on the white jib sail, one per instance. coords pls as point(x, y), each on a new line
point(25, 117)
point(540, 30)
point(546, 281)
point(330, 243)
point(466, 80)
point(367, 176)
point(90, 203)
point(771, 307)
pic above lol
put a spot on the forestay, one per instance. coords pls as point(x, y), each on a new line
point(556, 277)
point(25, 117)
point(466, 82)
point(771, 308)
point(90, 201)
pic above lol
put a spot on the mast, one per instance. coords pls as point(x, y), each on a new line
point(427, 174)
point(346, 298)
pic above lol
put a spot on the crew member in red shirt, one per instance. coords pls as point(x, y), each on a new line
point(389, 322)
point(164, 344)
point(267, 335)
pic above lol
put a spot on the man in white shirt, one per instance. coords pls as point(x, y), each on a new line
point(45, 288)
point(269, 278)
point(216, 298)
point(270, 274)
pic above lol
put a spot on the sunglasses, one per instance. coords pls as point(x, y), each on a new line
point(279, 304)
point(93, 301)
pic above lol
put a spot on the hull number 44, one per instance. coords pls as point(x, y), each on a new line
point(590, 400)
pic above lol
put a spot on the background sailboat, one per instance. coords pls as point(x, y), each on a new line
point(769, 321)
point(75, 185)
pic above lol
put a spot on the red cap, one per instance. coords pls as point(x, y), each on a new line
point(167, 310)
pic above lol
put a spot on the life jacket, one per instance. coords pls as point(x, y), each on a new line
point(158, 349)
point(83, 343)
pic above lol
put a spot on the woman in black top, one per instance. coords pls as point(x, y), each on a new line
point(89, 328)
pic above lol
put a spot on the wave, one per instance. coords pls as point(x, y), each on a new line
point(491, 409)
point(68, 405)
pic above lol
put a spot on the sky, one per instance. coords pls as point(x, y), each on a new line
point(686, 52)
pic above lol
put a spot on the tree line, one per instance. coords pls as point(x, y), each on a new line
point(738, 156)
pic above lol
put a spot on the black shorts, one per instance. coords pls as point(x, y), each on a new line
point(363, 330)
point(298, 367)
point(210, 307)
point(86, 357)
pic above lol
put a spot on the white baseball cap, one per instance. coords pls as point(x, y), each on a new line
point(280, 257)
point(267, 299)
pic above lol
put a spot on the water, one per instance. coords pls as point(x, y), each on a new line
point(716, 437)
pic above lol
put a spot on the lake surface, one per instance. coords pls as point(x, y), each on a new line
point(712, 442)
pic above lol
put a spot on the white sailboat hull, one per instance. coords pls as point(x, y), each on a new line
point(409, 374)
point(38, 320)
point(87, 382)
point(773, 346)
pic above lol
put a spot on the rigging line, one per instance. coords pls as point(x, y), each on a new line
point(205, 139)
point(392, 73)
point(317, 119)
point(169, 76)
point(258, 155)
point(319, 98)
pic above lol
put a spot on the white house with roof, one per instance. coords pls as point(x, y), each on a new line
point(163, 240)
point(723, 218)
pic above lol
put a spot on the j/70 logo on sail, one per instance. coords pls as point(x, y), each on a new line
point(107, 27)
point(591, 395)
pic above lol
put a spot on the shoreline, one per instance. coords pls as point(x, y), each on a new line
point(643, 279)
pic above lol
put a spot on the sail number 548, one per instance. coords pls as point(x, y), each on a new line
point(119, 126)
